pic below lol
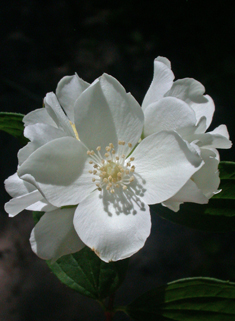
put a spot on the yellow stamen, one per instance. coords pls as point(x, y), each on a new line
point(74, 130)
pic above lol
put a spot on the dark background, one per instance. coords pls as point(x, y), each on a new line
point(41, 41)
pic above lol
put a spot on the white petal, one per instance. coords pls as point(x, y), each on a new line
point(218, 138)
point(126, 113)
point(207, 178)
point(168, 113)
point(17, 187)
point(20, 190)
point(114, 226)
point(41, 206)
point(18, 204)
point(60, 169)
point(164, 163)
point(220, 130)
point(68, 90)
point(25, 152)
point(105, 113)
point(188, 90)
point(201, 125)
point(190, 133)
point(202, 186)
point(38, 116)
point(57, 114)
point(38, 134)
point(174, 206)
point(41, 134)
point(205, 109)
point(164, 60)
point(189, 193)
point(162, 81)
point(93, 118)
point(54, 235)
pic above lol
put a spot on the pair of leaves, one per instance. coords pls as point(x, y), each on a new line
point(216, 216)
point(189, 299)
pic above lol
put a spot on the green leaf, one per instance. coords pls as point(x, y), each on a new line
point(227, 176)
point(189, 299)
point(12, 124)
point(211, 218)
point(37, 216)
point(216, 216)
point(85, 273)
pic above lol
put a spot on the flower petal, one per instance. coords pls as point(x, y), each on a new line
point(190, 133)
point(41, 134)
point(105, 113)
point(218, 138)
point(174, 206)
point(188, 90)
point(68, 90)
point(205, 109)
point(164, 163)
point(60, 169)
point(18, 204)
point(114, 226)
point(54, 235)
point(17, 187)
point(25, 152)
point(168, 113)
point(207, 178)
point(162, 81)
point(38, 116)
point(57, 114)
point(41, 206)
point(188, 193)
point(221, 130)
point(38, 134)
point(126, 113)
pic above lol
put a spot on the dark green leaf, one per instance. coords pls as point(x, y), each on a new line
point(227, 176)
point(37, 216)
point(216, 216)
point(87, 274)
point(190, 299)
point(12, 124)
point(210, 218)
point(227, 170)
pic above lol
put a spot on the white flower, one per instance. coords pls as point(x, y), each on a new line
point(182, 106)
point(98, 164)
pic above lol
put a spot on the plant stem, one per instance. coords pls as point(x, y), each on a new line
point(109, 311)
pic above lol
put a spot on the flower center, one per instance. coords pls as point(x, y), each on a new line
point(112, 171)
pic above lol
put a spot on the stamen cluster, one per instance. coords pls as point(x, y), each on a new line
point(111, 171)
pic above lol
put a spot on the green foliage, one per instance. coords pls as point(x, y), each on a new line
point(37, 216)
point(189, 299)
point(85, 273)
point(227, 176)
point(12, 124)
point(216, 216)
